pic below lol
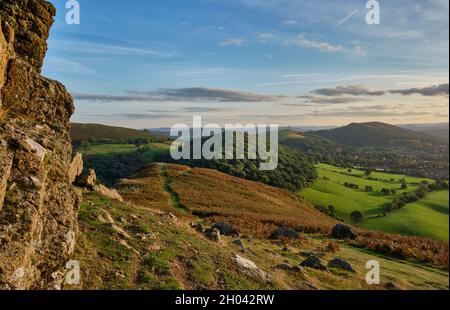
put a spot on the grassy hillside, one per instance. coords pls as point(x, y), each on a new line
point(100, 133)
point(413, 219)
point(379, 135)
point(428, 217)
point(256, 209)
point(115, 161)
point(113, 255)
point(440, 130)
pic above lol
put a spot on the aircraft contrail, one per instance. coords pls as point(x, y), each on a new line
point(345, 19)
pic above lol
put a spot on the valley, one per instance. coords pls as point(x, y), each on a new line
point(427, 218)
point(174, 204)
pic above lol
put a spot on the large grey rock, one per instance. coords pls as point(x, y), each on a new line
point(342, 232)
point(315, 263)
point(284, 232)
point(339, 263)
point(107, 192)
point(226, 229)
point(252, 269)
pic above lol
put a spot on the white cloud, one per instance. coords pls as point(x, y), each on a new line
point(290, 22)
point(265, 37)
point(322, 46)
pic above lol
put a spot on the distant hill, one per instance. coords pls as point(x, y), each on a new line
point(375, 146)
point(379, 135)
point(105, 134)
point(440, 130)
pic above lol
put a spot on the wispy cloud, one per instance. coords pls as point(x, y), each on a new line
point(265, 37)
point(114, 50)
point(353, 90)
point(290, 22)
point(62, 65)
point(232, 42)
point(182, 95)
point(431, 91)
point(322, 46)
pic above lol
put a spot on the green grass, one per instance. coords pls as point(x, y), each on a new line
point(180, 258)
point(150, 149)
point(107, 149)
point(426, 218)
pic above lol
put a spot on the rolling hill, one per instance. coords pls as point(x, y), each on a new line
point(375, 146)
point(108, 134)
point(380, 135)
point(440, 130)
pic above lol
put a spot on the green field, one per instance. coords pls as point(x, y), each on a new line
point(114, 149)
point(428, 217)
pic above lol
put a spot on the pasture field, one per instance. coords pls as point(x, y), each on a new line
point(426, 218)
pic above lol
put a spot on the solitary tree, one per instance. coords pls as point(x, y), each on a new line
point(356, 216)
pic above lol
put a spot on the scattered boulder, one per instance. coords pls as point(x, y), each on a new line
point(198, 227)
point(309, 253)
point(147, 236)
point(391, 286)
point(342, 232)
point(170, 217)
point(252, 269)
point(284, 232)
point(213, 234)
point(110, 193)
point(315, 263)
point(287, 267)
point(120, 231)
point(87, 179)
point(339, 263)
point(105, 217)
point(76, 167)
point(226, 229)
point(238, 242)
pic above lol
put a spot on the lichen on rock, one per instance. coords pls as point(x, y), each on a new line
point(38, 204)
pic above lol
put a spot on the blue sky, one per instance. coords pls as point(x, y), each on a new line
point(151, 64)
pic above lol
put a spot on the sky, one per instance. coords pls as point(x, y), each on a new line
point(150, 64)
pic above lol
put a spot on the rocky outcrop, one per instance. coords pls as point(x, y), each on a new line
point(38, 204)
point(88, 179)
point(107, 192)
point(76, 167)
